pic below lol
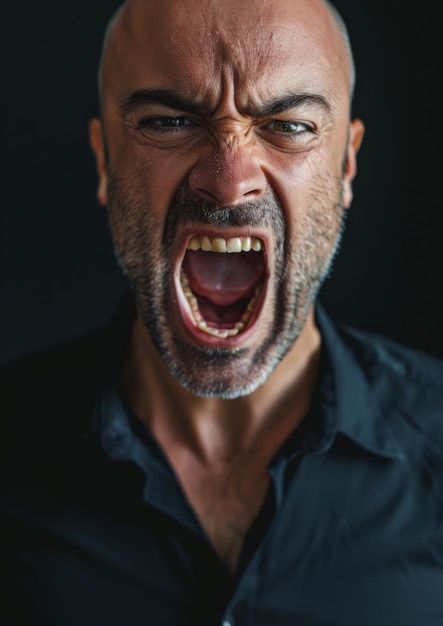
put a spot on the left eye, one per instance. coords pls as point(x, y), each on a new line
point(283, 126)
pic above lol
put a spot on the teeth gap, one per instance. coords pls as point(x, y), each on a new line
point(221, 333)
point(218, 244)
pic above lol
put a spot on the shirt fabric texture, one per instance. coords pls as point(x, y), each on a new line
point(96, 531)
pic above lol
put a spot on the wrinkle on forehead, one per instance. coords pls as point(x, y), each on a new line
point(231, 40)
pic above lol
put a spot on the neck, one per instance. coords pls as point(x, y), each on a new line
point(214, 429)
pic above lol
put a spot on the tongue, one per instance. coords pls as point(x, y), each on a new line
point(224, 278)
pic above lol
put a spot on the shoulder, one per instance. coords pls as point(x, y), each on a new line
point(406, 384)
point(61, 376)
point(47, 401)
point(49, 446)
point(50, 371)
point(382, 356)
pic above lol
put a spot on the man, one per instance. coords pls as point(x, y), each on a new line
point(223, 453)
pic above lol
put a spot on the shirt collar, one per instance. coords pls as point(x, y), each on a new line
point(343, 400)
point(357, 414)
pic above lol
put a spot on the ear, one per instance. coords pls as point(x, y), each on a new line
point(356, 132)
point(98, 147)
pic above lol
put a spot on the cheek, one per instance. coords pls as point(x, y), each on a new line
point(148, 174)
point(154, 175)
point(292, 178)
point(309, 189)
point(297, 172)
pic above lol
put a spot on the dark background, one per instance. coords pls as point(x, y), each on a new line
point(58, 274)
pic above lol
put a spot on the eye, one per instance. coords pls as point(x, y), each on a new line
point(290, 134)
point(288, 127)
point(165, 124)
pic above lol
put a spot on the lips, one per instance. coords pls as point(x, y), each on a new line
point(222, 281)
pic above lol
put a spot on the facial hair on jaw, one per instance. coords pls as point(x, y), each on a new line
point(145, 251)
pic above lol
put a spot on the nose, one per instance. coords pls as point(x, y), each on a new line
point(229, 177)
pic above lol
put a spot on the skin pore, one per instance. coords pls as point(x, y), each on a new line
point(227, 123)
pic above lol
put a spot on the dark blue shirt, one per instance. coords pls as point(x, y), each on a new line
point(96, 530)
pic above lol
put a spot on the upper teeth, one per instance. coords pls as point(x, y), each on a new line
point(218, 244)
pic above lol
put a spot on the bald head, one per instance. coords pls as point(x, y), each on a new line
point(145, 18)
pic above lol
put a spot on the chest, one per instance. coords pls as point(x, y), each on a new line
point(226, 504)
point(341, 550)
point(335, 555)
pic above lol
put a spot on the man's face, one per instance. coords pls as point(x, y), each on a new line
point(230, 157)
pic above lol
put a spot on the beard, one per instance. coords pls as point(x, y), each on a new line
point(305, 246)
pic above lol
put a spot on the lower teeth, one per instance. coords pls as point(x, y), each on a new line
point(221, 333)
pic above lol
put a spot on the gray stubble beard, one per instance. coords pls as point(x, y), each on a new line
point(301, 265)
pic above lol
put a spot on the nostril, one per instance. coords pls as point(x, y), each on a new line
point(224, 198)
point(254, 193)
point(206, 195)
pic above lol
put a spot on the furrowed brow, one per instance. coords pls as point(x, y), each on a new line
point(165, 97)
point(275, 106)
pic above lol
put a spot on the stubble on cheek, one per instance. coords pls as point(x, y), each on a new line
point(315, 239)
point(144, 243)
point(145, 248)
point(137, 233)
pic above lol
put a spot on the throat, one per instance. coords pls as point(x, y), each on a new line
point(222, 290)
point(221, 320)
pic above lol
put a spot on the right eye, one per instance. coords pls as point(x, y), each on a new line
point(165, 124)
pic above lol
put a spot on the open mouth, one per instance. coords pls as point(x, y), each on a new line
point(223, 281)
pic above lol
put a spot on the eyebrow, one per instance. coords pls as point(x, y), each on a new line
point(173, 100)
point(166, 97)
point(274, 106)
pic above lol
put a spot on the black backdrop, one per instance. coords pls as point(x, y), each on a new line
point(58, 274)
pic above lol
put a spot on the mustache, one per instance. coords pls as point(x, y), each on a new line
point(186, 208)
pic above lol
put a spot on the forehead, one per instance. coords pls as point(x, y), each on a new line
point(251, 47)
